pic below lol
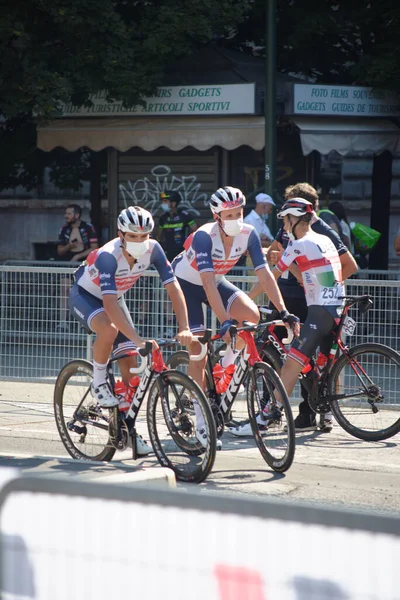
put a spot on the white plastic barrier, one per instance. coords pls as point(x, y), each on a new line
point(81, 541)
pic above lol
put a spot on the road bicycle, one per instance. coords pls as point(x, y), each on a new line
point(276, 441)
point(94, 433)
point(360, 385)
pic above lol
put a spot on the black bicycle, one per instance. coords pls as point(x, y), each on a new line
point(276, 440)
point(360, 385)
point(94, 433)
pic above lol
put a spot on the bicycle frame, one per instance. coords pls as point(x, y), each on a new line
point(305, 374)
point(248, 357)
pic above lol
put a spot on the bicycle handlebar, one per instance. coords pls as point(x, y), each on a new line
point(204, 339)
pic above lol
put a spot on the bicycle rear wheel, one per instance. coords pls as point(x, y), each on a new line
point(368, 377)
point(277, 442)
point(172, 422)
point(81, 423)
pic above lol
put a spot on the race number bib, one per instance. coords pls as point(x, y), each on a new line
point(330, 295)
point(349, 326)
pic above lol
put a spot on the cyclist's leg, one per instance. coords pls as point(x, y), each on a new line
point(298, 307)
point(318, 325)
point(240, 307)
point(195, 296)
point(122, 344)
point(89, 311)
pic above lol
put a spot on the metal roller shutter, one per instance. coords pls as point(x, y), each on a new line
point(142, 176)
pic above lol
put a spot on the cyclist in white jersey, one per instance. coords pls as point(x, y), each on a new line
point(321, 273)
point(96, 298)
point(209, 254)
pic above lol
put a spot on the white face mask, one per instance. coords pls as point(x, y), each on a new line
point(165, 207)
point(137, 249)
point(232, 228)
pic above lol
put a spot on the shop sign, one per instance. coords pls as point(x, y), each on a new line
point(176, 101)
point(347, 101)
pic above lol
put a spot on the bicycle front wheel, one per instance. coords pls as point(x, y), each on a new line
point(81, 423)
point(364, 392)
point(176, 407)
point(277, 442)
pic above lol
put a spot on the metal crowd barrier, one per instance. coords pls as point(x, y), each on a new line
point(67, 539)
point(36, 339)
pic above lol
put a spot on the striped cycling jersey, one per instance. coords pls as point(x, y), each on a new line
point(106, 270)
point(321, 270)
point(204, 251)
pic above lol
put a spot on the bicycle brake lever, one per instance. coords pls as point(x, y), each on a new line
point(148, 346)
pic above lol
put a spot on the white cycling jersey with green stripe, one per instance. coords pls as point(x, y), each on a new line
point(321, 271)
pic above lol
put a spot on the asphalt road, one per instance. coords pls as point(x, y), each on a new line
point(334, 469)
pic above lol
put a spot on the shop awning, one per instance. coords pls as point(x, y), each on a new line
point(347, 135)
point(151, 133)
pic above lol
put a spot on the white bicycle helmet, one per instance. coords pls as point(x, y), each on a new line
point(226, 198)
point(136, 220)
point(298, 207)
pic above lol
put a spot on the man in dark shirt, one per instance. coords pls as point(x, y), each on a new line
point(293, 292)
point(331, 219)
point(174, 226)
point(76, 240)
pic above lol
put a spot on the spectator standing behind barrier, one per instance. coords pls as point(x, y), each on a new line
point(264, 207)
point(332, 220)
point(339, 210)
point(76, 240)
point(174, 225)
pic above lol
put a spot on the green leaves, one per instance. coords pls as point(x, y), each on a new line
point(59, 49)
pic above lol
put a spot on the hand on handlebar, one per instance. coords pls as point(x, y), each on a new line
point(291, 321)
point(185, 337)
point(225, 330)
point(154, 344)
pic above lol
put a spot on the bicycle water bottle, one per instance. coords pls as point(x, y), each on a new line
point(218, 371)
point(223, 383)
point(321, 361)
point(130, 391)
point(120, 389)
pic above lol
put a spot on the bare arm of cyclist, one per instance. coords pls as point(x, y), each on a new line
point(179, 305)
point(349, 265)
point(269, 285)
point(274, 247)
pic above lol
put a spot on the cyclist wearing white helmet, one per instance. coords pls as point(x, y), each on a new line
point(321, 272)
point(96, 299)
point(209, 254)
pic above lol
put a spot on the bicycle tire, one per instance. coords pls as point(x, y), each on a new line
point(279, 438)
point(371, 426)
point(271, 356)
point(172, 433)
point(72, 391)
point(179, 360)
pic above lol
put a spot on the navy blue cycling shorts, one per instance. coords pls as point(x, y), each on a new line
point(195, 297)
point(84, 307)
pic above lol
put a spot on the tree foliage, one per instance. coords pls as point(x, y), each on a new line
point(332, 41)
point(62, 50)
point(65, 50)
point(57, 51)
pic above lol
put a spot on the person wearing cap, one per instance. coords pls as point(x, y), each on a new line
point(174, 225)
point(264, 207)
